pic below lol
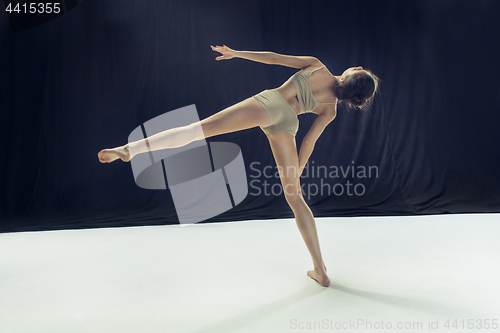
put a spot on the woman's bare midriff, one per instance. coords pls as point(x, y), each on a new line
point(287, 90)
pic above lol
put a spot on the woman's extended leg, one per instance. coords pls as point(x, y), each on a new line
point(287, 160)
point(245, 114)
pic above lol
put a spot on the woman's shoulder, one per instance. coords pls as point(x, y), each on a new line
point(327, 111)
point(313, 66)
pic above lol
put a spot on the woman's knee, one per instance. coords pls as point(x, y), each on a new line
point(196, 131)
point(293, 196)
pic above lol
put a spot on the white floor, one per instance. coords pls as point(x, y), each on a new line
point(388, 273)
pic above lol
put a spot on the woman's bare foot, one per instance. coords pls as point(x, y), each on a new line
point(109, 155)
point(319, 277)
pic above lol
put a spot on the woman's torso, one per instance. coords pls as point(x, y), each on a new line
point(322, 83)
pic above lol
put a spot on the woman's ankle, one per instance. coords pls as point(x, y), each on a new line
point(128, 150)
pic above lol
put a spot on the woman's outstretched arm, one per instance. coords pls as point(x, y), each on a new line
point(270, 58)
point(312, 136)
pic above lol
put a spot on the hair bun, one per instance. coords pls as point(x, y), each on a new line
point(358, 100)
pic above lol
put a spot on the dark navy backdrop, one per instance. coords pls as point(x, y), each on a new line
point(84, 81)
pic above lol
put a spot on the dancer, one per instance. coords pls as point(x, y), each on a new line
point(275, 112)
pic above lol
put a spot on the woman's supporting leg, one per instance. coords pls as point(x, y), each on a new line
point(245, 114)
point(285, 153)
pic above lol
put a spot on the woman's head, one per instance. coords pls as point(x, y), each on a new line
point(357, 87)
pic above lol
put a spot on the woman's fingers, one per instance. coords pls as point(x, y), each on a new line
point(222, 50)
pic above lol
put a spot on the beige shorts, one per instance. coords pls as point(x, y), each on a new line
point(281, 115)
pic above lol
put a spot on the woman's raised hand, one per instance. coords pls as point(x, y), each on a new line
point(227, 53)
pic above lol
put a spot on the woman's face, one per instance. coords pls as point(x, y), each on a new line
point(351, 71)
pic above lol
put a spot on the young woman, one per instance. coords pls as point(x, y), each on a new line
point(312, 89)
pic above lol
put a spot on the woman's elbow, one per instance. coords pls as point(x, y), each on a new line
point(273, 58)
